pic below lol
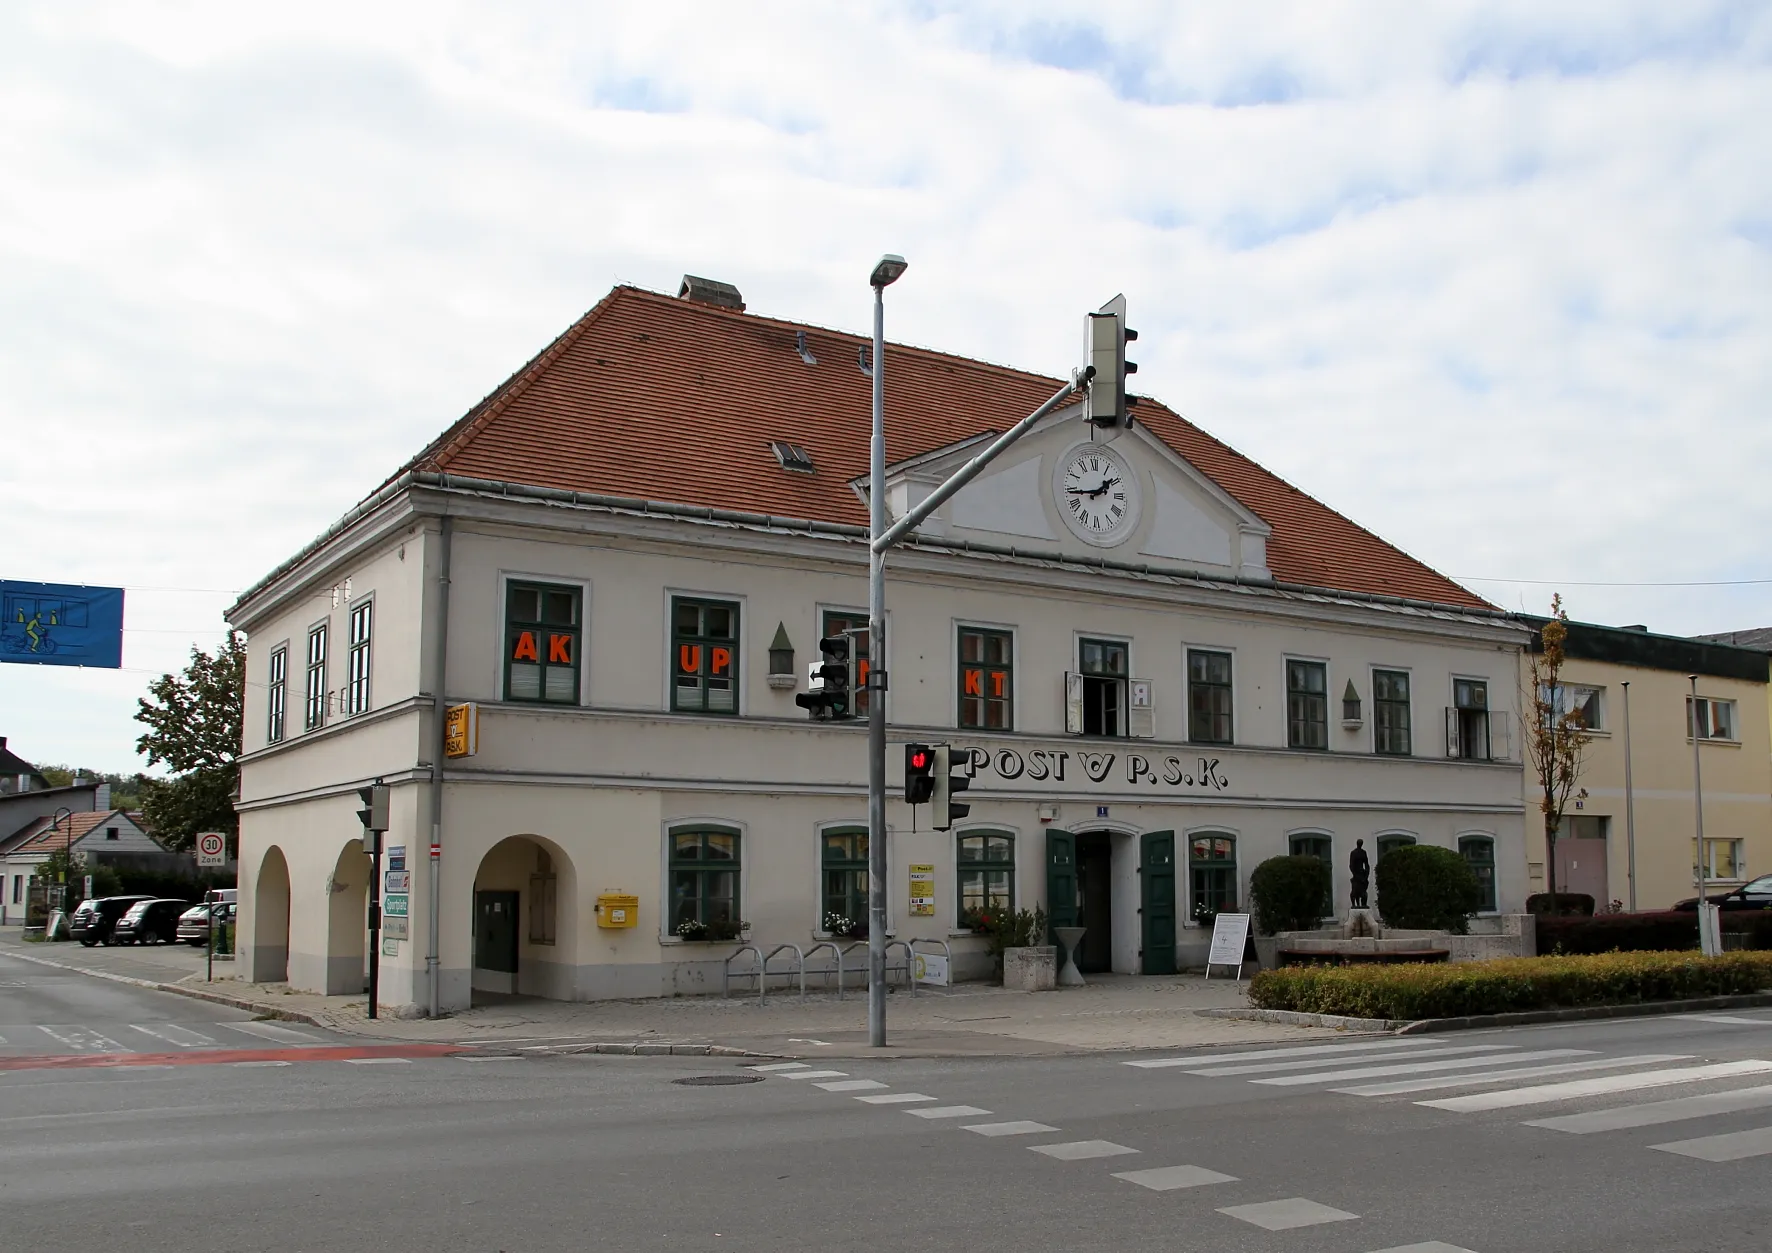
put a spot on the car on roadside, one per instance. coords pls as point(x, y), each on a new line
point(193, 924)
point(150, 922)
point(95, 918)
point(1754, 895)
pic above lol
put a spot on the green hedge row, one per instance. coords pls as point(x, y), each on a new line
point(1650, 931)
point(1509, 985)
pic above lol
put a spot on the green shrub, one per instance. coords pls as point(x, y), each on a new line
point(1288, 893)
point(1509, 985)
point(1425, 888)
point(1567, 904)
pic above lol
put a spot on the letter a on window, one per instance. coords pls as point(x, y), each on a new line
point(525, 648)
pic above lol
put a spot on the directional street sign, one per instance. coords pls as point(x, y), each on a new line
point(212, 849)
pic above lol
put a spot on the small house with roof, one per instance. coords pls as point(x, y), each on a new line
point(94, 835)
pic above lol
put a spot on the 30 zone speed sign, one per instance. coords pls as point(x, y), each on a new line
point(212, 849)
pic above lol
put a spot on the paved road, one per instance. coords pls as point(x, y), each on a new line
point(1658, 1142)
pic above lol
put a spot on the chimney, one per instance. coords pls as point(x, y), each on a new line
point(710, 291)
point(101, 798)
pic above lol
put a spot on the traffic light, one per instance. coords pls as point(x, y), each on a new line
point(953, 773)
point(374, 814)
point(829, 697)
point(919, 774)
point(1106, 336)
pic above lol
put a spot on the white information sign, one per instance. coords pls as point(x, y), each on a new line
point(930, 968)
point(1230, 934)
point(212, 849)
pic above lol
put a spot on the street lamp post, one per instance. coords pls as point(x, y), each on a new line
point(886, 272)
point(1630, 807)
point(1708, 942)
point(55, 821)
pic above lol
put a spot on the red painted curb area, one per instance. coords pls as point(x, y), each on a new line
point(222, 1057)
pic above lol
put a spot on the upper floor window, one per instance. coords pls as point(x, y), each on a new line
point(853, 625)
point(1390, 712)
point(277, 706)
point(357, 684)
point(1715, 719)
point(314, 698)
point(704, 652)
point(1479, 852)
point(986, 674)
point(1584, 702)
point(1102, 664)
point(1467, 721)
point(1208, 697)
point(1307, 704)
point(543, 631)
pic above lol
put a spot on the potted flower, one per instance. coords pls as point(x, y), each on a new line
point(845, 927)
point(692, 931)
point(978, 921)
point(723, 930)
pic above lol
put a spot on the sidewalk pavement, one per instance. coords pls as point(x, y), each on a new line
point(1114, 1012)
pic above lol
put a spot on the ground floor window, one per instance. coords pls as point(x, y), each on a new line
point(1723, 859)
point(1212, 875)
point(704, 880)
point(986, 874)
point(1479, 851)
point(1388, 842)
point(843, 906)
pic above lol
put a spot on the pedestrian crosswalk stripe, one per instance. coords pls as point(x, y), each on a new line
point(1729, 1147)
point(1399, 1086)
point(1275, 1067)
point(1294, 1211)
point(896, 1098)
point(82, 1039)
point(1081, 1150)
point(172, 1033)
point(1509, 1098)
point(1165, 1063)
point(379, 1061)
point(947, 1111)
point(1169, 1178)
point(1020, 1127)
point(815, 1074)
point(1657, 1112)
point(271, 1031)
point(1450, 1063)
point(850, 1085)
point(1431, 1246)
point(776, 1067)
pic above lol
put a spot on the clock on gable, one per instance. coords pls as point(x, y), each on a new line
point(1096, 491)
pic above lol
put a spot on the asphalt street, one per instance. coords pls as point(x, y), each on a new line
point(1633, 1134)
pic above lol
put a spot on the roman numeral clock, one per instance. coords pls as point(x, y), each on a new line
point(1096, 491)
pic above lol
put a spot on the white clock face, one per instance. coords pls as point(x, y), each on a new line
point(1097, 494)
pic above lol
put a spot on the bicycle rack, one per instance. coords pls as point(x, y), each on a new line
point(946, 952)
point(726, 970)
point(836, 955)
point(799, 967)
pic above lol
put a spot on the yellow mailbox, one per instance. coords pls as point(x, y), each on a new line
point(617, 911)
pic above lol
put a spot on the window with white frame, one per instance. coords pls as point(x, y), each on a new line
point(277, 704)
point(1715, 718)
point(314, 698)
point(357, 687)
point(1586, 703)
point(1467, 720)
point(1391, 732)
point(1724, 859)
point(1307, 704)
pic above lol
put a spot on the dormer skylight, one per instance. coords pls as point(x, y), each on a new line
point(791, 456)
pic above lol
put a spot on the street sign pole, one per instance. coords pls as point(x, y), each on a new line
point(209, 972)
point(374, 920)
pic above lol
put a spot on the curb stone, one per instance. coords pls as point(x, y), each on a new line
point(1294, 1018)
point(639, 1049)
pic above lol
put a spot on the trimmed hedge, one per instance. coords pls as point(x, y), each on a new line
point(1668, 930)
point(1567, 903)
point(1288, 893)
point(1508, 985)
point(1422, 887)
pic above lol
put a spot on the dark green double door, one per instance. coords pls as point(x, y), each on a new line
point(1079, 894)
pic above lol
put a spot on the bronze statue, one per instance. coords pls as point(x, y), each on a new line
point(1360, 867)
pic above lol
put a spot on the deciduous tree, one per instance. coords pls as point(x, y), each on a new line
point(1556, 734)
point(193, 722)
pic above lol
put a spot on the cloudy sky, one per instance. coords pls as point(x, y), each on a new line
point(1493, 279)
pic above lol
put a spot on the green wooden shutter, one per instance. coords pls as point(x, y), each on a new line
point(1061, 882)
point(1156, 893)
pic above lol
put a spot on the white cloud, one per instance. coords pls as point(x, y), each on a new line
point(1491, 279)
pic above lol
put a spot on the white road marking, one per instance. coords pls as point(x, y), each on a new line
point(1431, 1246)
point(1731, 1147)
point(379, 1061)
point(261, 1063)
point(947, 1111)
point(850, 1085)
point(173, 1034)
point(1733, 1022)
point(1294, 1211)
point(1656, 1112)
point(1169, 1178)
point(1276, 1067)
point(778, 1067)
point(896, 1098)
point(84, 1040)
point(1507, 1076)
point(1021, 1127)
point(270, 1031)
point(495, 1057)
point(1510, 1098)
point(1081, 1150)
point(1165, 1063)
point(1417, 1068)
point(815, 1074)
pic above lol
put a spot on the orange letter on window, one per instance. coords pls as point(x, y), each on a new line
point(722, 661)
point(525, 649)
point(560, 650)
point(997, 681)
point(689, 658)
point(974, 683)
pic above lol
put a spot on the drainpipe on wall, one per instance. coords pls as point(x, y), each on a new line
point(439, 717)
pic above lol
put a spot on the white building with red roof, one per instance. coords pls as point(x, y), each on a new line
point(1167, 663)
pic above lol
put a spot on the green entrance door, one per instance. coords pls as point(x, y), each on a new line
point(1061, 884)
point(495, 931)
point(1156, 893)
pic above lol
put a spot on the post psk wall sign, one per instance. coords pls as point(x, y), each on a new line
point(61, 624)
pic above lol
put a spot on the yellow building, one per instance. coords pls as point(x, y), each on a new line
point(1635, 688)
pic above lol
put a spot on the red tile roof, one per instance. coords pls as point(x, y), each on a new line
point(70, 831)
point(676, 401)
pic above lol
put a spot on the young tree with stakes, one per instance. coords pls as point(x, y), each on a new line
point(1556, 734)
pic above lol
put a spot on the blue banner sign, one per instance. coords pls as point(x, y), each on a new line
point(61, 624)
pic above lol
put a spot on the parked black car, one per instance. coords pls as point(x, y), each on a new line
point(94, 920)
point(1754, 895)
point(149, 922)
